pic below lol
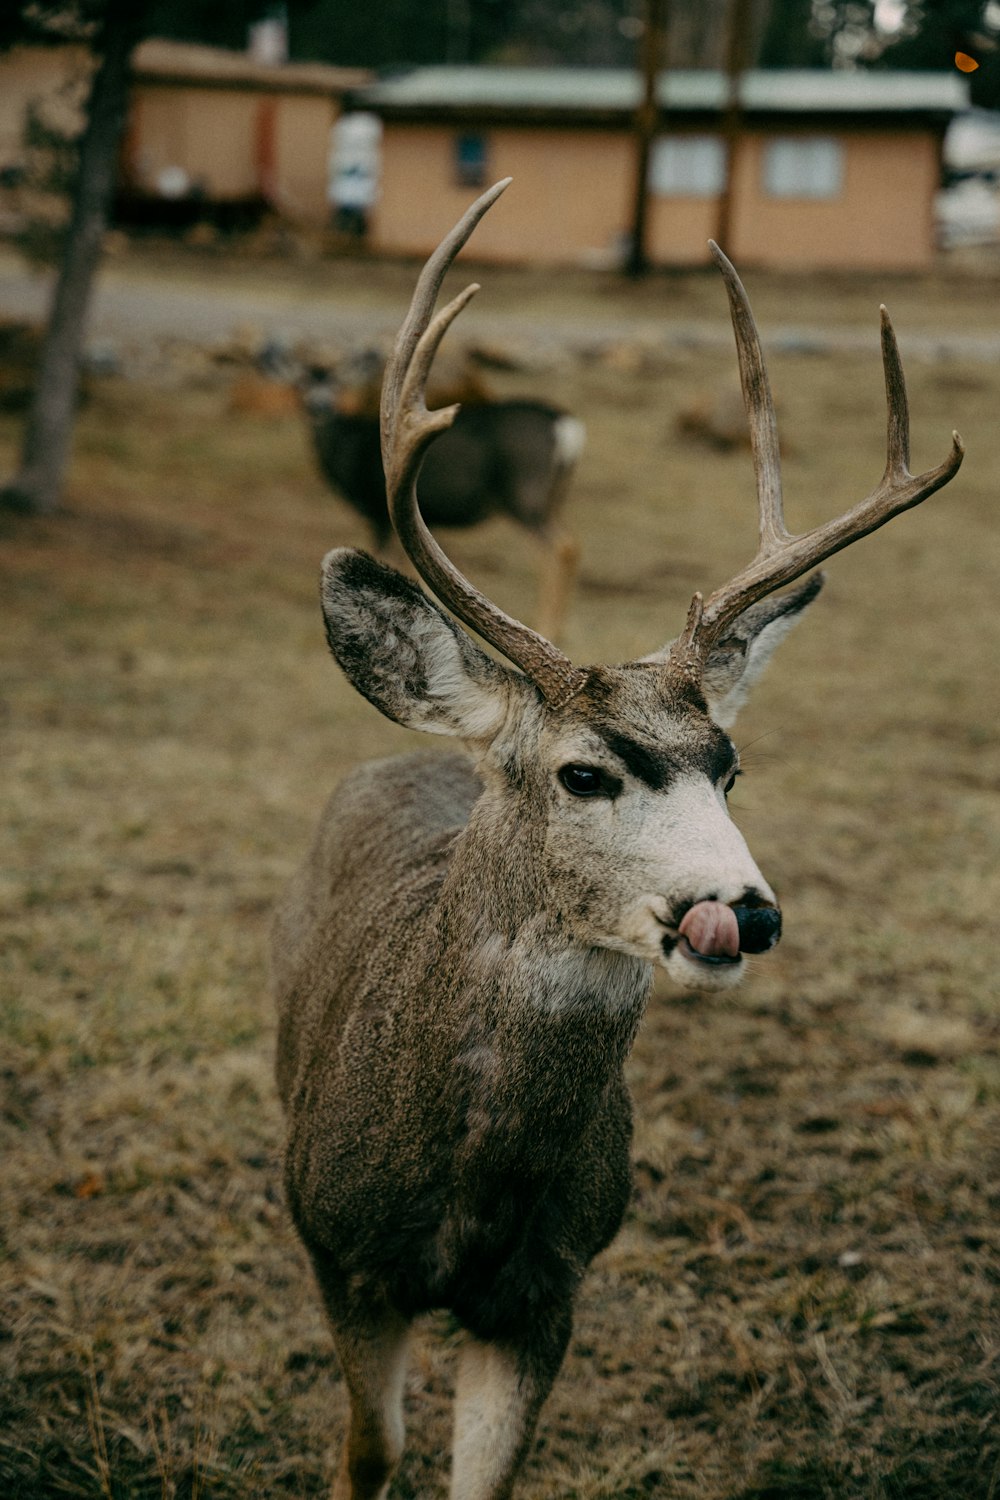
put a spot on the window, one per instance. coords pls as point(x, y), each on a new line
point(687, 166)
point(470, 160)
point(804, 167)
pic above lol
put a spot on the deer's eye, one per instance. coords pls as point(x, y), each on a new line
point(584, 781)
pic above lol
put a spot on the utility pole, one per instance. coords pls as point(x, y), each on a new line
point(737, 49)
point(646, 121)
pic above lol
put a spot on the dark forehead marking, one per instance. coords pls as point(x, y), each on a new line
point(712, 755)
point(702, 746)
point(643, 762)
point(721, 757)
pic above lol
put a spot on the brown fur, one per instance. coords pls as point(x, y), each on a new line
point(454, 1017)
point(486, 1118)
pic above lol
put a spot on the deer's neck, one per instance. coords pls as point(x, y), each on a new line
point(495, 879)
point(538, 1026)
point(505, 948)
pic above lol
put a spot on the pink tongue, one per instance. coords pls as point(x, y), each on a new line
point(711, 929)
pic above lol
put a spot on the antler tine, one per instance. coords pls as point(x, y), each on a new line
point(411, 425)
point(407, 429)
point(897, 461)
point(759, 406)
point(781, 558)
point(425, 295)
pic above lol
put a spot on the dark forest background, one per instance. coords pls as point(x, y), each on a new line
point(398, 34)
point(917, 34)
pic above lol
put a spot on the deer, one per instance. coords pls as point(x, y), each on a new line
point(462, 962)
point(514, 457)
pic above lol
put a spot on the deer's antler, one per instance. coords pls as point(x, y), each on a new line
point(782, 557)
point(407, 428)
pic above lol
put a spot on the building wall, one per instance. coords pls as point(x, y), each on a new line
point(302, 149)
point(571, 200)
point(238, 143)
point(234, 144)
point(209, 134)
point(679, 230)
point(883, 219)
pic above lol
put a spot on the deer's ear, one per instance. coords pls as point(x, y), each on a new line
point(405, 655)
point(737, 661)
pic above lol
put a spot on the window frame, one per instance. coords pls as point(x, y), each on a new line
point(470, 168)
point(804, 183)
point(705, 153)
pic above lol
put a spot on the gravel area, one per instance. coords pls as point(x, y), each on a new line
point(135, 304)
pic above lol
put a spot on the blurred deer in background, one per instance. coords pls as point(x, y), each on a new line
point(463, 960)
point(511, 457)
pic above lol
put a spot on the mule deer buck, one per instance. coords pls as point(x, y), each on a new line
point(511, 457)
point(463, 960)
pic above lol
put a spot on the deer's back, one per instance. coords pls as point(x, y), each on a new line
point(501, 456)
point(350, 455)
point(498, 457)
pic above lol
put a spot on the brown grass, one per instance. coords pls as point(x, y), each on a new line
point(803, 1301)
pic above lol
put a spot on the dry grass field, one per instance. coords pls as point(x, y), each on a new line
point(803, 1302)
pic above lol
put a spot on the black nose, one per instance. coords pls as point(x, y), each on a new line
point(760, 927)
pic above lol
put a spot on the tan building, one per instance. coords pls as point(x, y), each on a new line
point(229, 129)
point(205, 125)
point(829, 169)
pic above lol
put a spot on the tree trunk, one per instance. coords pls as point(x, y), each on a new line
point(738, 52)
point(647, 121)
point(36, 489)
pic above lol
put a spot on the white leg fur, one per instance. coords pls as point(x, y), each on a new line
point(495, 1414)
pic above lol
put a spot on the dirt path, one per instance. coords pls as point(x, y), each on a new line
point(205, 305)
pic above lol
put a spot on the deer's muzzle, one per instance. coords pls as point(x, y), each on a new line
point(719, 934)
point(759, 927)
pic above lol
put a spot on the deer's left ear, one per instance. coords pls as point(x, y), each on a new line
point(407, 656)
point(736, 662)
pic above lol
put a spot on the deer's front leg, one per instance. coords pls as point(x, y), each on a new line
point(373, 1359)
point(557, 577)
point(371, 1343)
point(499, 1392)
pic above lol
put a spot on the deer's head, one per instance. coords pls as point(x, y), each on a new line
point(616, 775)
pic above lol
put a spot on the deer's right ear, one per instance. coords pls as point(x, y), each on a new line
point(405, 655)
